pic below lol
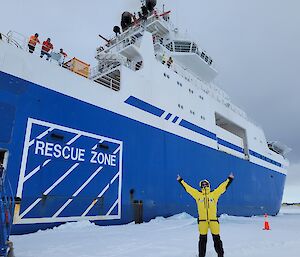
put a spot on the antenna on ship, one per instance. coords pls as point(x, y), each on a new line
point(105, 39)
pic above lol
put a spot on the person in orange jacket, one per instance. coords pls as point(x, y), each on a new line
point(47, 46)
point(33, 40)
point(207, 201)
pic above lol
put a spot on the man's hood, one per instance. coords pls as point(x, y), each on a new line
point(206, 189)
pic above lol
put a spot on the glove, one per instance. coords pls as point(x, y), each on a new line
point(179, 178)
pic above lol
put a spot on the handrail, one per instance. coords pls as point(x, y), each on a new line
point(121, 41)
point(21, 41)
point(10, 40)
point(139, 26)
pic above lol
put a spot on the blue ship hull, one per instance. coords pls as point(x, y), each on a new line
point(149, 163)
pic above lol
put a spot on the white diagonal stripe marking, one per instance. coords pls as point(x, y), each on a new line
point(30, 174)
point(95, 146)
point(60, 179)
point(117, 150)
point(62, 208)
point(73, 139)
point(95, 201)
point(78, 191)
point(48, 190)
point(111, 209)
point(30, 208)
point(88, 181)
point(114, 178)
point(41, 136)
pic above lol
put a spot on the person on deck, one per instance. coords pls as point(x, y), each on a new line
point(63, 57)
point(33, 40)
point(170, 62)
point(163, 59)
point(47, 46)
point(207, 201)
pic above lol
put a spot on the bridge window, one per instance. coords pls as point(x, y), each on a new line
point(182, 46)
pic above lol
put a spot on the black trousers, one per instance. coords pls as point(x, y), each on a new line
point(217, 244)
point(31, 48)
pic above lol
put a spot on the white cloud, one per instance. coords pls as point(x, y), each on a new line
point(293, 176)
point(292, 187)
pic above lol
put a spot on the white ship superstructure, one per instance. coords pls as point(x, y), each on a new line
point(188, 84)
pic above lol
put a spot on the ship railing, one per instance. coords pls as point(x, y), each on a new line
point(105, 79)
point(101, 69)
point(12, 40)
point(163, 18)
point(109, 82)
point(120, 41)
point(129, 37)
point(20, 41)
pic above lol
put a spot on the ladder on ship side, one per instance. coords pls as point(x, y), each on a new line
point(6, 214)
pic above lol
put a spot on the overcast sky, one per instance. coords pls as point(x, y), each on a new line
point(255, 45)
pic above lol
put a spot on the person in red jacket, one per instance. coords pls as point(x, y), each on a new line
point(33, 40)
point(47, 46)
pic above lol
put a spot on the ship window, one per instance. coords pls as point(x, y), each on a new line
point(182, 46)
point(170, 47)
point(194, 48)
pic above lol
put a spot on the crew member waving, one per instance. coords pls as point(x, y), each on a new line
point(207, 201)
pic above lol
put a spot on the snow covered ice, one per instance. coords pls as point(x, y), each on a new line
point(176, 236)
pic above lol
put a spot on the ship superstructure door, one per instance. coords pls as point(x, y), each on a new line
point(231, 138)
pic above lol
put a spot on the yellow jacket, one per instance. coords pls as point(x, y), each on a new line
point(207, 200)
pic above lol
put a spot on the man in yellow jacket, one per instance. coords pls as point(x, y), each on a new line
point(207, 201)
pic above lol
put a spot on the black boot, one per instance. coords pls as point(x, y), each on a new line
point(218, 245)
point(202, 245)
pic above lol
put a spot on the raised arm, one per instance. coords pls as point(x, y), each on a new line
point(223, 187)
point(190, 190)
